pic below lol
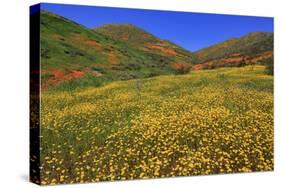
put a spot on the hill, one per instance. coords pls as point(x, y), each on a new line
point(73, 55)
point(143, 40)
point(248, 49)
point(70, 52)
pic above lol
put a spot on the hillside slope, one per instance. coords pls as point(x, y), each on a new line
point(141, 39)
point(248, 49)
point(70, 52)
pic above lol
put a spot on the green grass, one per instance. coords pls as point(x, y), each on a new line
point(77, 84)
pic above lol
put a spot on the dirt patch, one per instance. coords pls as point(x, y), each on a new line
point(84, 41)
point(177, 65)
point(74, 75)
point(262, 56)
point(113, 59)
point(58, 37)
point(125, 37)
point(198, 67)
point(164, 50)
point(234, 60)
point(58, 76)
point(180, 68)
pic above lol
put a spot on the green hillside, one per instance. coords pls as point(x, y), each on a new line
point(72, 55)
point(141, 39)
point(127, 33)
point(251, 44)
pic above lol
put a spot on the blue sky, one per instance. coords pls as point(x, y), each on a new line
point(192, 31)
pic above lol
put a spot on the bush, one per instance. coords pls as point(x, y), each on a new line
point(270, 69)
point(183, 69)
point(86, 81)
point(269, 65)
point(152, 74)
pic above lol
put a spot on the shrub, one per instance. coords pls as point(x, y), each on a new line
point(181, 68)
point(270, 69)
point(269, 65)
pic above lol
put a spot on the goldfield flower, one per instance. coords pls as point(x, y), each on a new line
point(173, 126)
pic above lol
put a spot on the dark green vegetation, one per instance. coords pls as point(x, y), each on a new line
point(269, 65)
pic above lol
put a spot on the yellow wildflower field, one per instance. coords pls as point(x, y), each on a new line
point(205, 122)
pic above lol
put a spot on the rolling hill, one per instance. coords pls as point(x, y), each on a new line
point(138, 38)
point(71, 52)
point(73, 55)
point(249, 49)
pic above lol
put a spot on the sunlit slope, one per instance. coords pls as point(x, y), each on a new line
point(217, 121)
